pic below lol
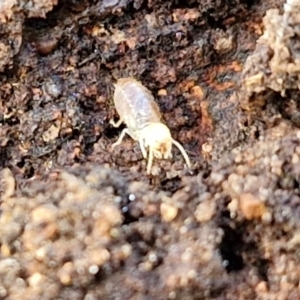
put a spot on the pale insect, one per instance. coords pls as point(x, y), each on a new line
point(138, 110)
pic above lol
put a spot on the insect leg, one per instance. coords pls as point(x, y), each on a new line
point(119, 141)
point(116, 125)
point(187, 160)
point(144, 152)
point(150, 161)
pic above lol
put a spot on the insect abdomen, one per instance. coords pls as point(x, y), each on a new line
point(135, 104)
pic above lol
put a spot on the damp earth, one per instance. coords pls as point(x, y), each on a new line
point(81, 220)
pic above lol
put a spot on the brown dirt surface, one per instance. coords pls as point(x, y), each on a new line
point(80, 220)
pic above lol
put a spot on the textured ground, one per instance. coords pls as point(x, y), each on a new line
point(80, 221)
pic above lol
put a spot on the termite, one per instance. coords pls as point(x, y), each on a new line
point(138, 110)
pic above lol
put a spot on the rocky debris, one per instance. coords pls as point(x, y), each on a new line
point(275, 63)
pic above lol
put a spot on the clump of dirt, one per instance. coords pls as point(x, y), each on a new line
point(12, 16)
point(79, 229)
point(262, 183)
point(57, 233)
point(275, 63)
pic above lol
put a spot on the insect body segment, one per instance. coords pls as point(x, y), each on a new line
point(138, 110)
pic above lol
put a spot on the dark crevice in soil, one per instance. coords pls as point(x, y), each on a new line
point(230, 249)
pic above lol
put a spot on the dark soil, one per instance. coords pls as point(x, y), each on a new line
point(82, 221)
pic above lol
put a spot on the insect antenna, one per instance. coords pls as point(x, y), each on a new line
point(184, 154)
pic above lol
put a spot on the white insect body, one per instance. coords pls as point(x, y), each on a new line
point(139, 111)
